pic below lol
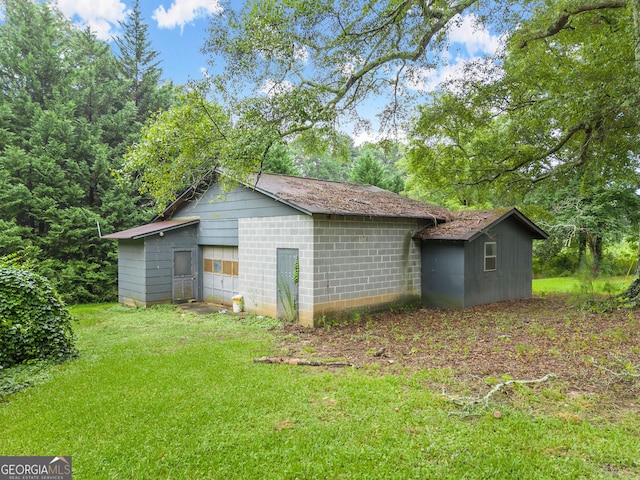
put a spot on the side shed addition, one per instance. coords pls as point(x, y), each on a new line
point(157, 262)
point(477, 258)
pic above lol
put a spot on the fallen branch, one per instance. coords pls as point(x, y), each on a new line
point(302, 361)
point(484, 401)
point(625, 370)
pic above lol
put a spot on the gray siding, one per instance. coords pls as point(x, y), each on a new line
point(145, 266)
point(219, 213)
point(443, 270)
point(131, 272)
point(159, 256)
point(513, 275)
point(453, 273)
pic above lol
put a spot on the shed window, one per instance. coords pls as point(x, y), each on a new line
point(490, 256)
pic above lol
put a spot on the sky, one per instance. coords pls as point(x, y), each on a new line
point(178, 29)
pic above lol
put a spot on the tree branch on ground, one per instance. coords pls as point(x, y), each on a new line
point(620, 368)
point(469, 403)
point(302, 362)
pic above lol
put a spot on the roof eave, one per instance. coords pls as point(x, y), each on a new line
point(539, 234)
point(168, 228)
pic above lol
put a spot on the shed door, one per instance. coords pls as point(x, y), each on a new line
point(184, 278)
point(287, 283)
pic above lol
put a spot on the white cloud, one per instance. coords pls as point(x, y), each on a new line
point(362, 137)
point(272, 88)
point(182, 12)
point(475, 43)
point(102, 16)
point(483, 70)
point(300, 53)
point(476, 39)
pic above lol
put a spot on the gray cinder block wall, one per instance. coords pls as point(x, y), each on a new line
point(364, 262)
point(356, 262)
point(258, 241)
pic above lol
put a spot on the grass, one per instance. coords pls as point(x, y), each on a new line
point(158, 393)
point(575, 285)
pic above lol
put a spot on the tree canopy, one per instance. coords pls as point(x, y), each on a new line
point(560, 104)
point(554, 121)
point(65, 121)
point(293, 70)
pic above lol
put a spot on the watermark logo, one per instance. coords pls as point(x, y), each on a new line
point(35, 468)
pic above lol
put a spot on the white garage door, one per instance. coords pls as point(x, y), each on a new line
point(220, 274)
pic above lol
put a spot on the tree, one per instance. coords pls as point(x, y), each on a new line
point(588, 217)
point(169, 157)
point(369, 170)
point(293, 69)
point(388, 155)
point(559, 104)
point(318, 60)
point(280, 160)
point(323, 157)
point(64, 124)
point(139, 64)
point(559, 112)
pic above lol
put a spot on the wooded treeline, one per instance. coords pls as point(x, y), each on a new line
point(69, 109)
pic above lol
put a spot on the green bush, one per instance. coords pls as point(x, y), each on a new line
point(34, 322)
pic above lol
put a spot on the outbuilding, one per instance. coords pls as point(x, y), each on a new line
point(478, 257)
point(303, 250)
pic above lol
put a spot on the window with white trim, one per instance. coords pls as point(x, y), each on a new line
point(490, 256)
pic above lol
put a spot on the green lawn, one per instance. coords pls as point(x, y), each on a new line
point(605, 285)
point(159, 394)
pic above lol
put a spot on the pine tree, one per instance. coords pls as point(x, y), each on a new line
point(139, 64)
point(64, 125)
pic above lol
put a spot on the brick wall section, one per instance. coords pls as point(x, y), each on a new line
point(258, 241)
point(364, 262)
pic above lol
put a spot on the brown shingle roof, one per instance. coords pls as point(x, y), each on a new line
point(342, 198)
point(467, 224)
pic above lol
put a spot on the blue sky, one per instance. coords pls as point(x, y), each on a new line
point(178, 29)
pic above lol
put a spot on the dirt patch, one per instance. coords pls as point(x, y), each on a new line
point(527, 339)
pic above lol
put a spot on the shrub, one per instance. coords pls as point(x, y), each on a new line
point(34, 322)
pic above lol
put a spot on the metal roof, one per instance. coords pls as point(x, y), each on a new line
point(468, 224)
point(152, 229)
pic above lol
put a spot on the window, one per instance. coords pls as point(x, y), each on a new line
point(490, 256)
point(182, 263)
point(221, 261)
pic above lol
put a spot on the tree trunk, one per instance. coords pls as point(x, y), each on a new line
point(597, 256)
point(632, 294)
point(638, 264)
point(582, 248)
